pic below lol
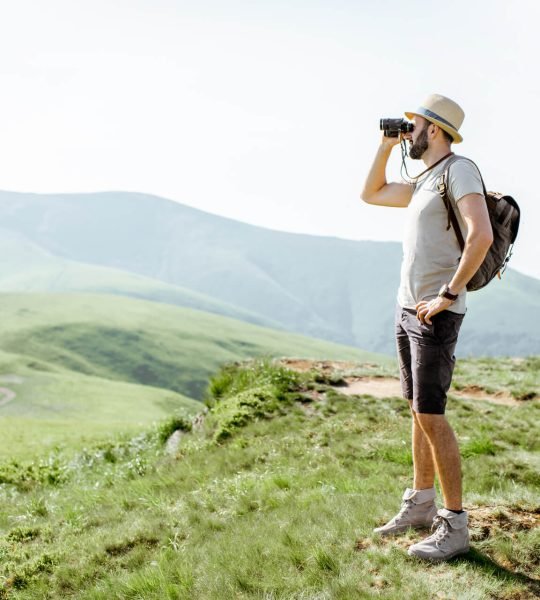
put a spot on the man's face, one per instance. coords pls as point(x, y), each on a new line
point(419, 138)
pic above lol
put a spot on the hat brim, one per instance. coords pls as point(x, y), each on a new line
point(455, 135)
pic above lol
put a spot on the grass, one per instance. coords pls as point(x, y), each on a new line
point(283, 506)
point(65, 410)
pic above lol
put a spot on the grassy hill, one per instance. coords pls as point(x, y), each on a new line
point(84, 365)
point(334, 289)
point(143, 342)
point(273, 492)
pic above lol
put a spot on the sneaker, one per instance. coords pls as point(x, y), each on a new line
point(417, 510)
point(450, 538)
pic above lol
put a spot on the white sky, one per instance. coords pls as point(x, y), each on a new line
point(265, 112)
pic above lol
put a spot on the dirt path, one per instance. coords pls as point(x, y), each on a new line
point(382, 387)
point(8, 396)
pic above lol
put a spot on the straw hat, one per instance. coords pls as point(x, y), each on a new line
point(443, 112)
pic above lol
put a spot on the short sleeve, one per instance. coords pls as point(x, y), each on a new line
point(464, 178)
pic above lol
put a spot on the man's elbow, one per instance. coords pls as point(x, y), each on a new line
point(483, 239)
point(364, 196)
point(370, 193)
point(488, 237)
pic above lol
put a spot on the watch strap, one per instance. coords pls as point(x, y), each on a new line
point(450, 296)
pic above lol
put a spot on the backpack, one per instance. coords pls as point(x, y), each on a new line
point(504, 214)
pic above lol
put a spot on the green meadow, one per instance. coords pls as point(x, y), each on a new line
point(84, 366)
point(272, 492)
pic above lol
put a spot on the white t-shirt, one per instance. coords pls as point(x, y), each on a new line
point(431, 253)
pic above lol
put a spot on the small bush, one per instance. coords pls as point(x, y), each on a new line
point(243, 408)
point(235, 378)
point(172, 424)
point(23, 534)
point(50, 471)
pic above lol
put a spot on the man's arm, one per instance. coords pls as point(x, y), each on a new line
point(376, 189)
point(474, 211)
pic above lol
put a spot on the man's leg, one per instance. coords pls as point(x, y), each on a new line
point(418, 508)
point(432, 360)
point(446, 454)
point(424, 465)
point(452, 534)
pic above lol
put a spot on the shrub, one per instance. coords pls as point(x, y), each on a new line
point(172, 424)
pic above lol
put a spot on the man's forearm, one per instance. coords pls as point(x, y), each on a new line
point(376, 178)
point(476, 248)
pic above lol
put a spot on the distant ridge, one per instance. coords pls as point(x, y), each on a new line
point(325, 287)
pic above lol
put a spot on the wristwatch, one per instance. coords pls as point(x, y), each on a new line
point(444, 292)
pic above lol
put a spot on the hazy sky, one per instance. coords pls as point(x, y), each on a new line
point(265, 112)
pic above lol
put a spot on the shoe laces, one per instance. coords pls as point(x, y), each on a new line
point(442, 528)
point(406, 505)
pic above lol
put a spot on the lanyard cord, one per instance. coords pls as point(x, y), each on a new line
point(414, 180)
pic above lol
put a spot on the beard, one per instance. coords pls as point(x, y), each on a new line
point(420, 146)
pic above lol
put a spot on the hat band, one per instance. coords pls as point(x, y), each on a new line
point(429, 113)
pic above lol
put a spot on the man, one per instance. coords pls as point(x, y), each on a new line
point(431, 305)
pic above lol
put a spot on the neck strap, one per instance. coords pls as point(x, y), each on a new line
point(433, 165)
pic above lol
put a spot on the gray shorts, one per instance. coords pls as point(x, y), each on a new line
point(426, 357)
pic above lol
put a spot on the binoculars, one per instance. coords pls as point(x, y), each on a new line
point(393, 127)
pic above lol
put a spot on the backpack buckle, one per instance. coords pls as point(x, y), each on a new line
point(441, 186)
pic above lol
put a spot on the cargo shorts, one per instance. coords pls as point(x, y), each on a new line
point(426, 357)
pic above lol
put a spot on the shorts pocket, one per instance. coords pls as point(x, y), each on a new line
point(447, 327)
point(428, 355)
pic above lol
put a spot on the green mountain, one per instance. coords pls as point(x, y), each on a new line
point(26, 267)
point(334, 289)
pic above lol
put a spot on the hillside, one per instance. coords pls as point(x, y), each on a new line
point(43, 411)
point(76, 367)
point(26, 267)
point(273, 491)
point(143, 342)
point(334, 289)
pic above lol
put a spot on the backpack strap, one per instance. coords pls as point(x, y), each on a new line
point(444, 191)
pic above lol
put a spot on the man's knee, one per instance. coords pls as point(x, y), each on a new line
point(430, 423)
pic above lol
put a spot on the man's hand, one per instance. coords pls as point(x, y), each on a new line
point(390, 142)
point(425, 310)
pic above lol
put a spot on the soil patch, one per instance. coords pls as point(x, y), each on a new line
point(483, 520)
point(383, 387)
point(325, 366)
point(477, 393)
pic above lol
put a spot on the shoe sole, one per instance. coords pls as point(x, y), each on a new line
point(401, 529)
point(440, 558)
